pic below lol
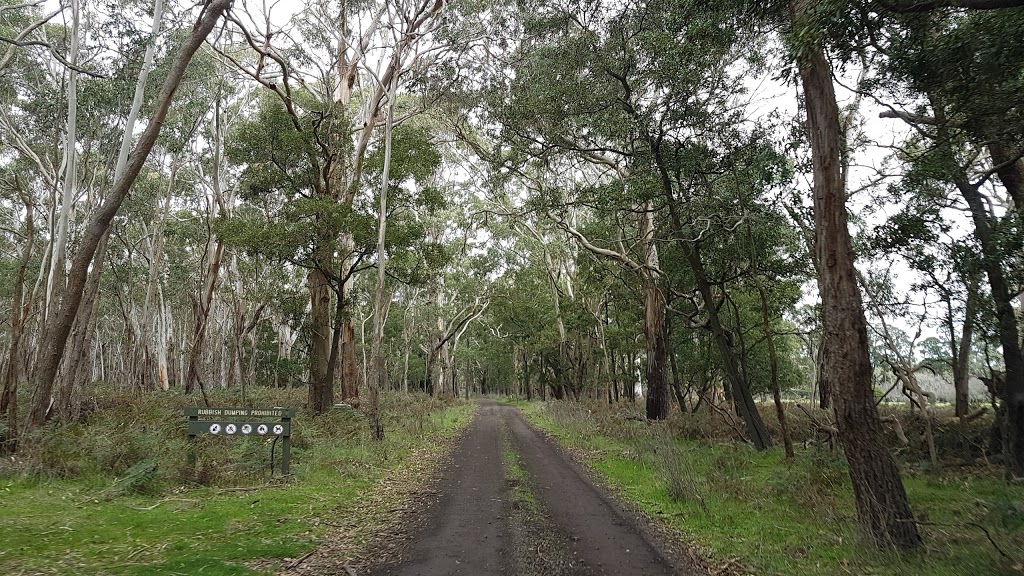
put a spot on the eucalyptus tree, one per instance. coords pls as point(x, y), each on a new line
point(332, 93)
point(86, 160)
point(883, 511)
point(12, 184)
point(954, 76)
point(523, 312)
point(948, 270)
point(623, 112)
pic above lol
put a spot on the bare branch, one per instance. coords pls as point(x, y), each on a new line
point(53, 52)
point(928, 5)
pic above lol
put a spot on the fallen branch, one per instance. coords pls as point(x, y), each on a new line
point(962, 525)
point(897, 428)
point(162, 502)
point(301, 559)
point(728, 420)
point(829, 428)
point(974, 415)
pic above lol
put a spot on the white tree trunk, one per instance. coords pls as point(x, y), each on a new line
point(378, 375)
point(70, 188)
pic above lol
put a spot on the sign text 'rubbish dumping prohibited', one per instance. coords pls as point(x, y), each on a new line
point(242, 422)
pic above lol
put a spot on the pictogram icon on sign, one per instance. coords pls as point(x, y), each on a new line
point(214, 428)
point(278, 429)
point(246, 428)
point(262, 429)
point(230, 428)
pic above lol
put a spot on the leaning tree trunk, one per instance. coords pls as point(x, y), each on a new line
point(58, 324)
point(201, 310)
point(1010, 171)
point(769, 334)
point(739, 388)
point(1009, 336)
point(74, 372)
point(883, 511)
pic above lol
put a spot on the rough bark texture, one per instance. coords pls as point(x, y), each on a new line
point(1011, 172)
point(58, 325)
point(657, 352)
point(76, 365)
point(321, 388)
point(883, 511)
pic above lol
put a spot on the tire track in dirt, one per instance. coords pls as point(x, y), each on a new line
point(536, 513)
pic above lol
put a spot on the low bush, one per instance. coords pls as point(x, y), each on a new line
point(760, 513)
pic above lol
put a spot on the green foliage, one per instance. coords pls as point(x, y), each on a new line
point(785, 517)
point(141, 519)
point(136, 480)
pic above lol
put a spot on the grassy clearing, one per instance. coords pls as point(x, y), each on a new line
point(770, 516)
point(68, 510)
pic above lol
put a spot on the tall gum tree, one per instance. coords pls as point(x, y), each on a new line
point(590, 96)
point(964, 68)
point(883, 510)
point(363, 53)
point(58, 324)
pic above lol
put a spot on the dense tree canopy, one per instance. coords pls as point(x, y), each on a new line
point(706, 205)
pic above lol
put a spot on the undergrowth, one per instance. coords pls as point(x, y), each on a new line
point(113, 493)
point(758, 513)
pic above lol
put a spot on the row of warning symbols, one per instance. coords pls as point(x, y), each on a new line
point(260, 429)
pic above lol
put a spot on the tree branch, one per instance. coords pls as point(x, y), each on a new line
point(56, 55)
point(928, 5)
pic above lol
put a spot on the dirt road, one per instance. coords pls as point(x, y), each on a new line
point(510, 503)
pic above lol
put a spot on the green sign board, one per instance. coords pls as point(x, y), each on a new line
point(240, 422)
point(235, 428)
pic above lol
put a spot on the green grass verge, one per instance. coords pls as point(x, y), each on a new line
point(54, 525)
point(522, 493)
point(778, 517)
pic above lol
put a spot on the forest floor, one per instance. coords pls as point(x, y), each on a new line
point(510, 502)
point(540, 488)
point(112, 495)
point(758, 513)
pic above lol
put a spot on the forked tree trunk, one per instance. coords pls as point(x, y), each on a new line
point(962, 359)
point(55, 279)
point(378, 369)
point(202, 307)
point(883, 511)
